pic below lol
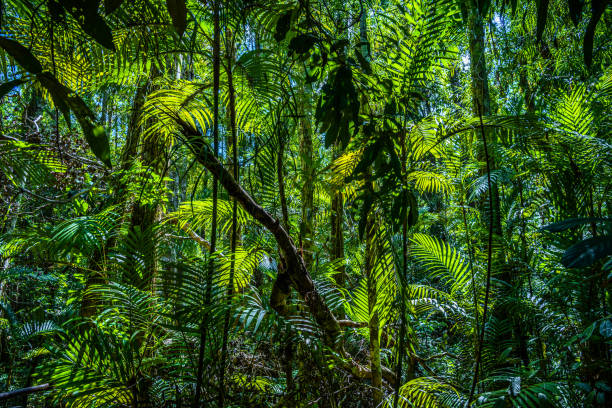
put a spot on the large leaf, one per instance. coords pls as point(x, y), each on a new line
point(178, 12)
point(94, 134)
point(338, 107)
point(282, 26)
point(86, 14)
point(7, 87)
point(64, 98)
point(587, 251)
point(22, 55)
point(441, 260)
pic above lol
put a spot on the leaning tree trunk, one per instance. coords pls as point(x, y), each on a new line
point(297, 274)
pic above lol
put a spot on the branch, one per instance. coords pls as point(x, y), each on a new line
point(296, 269)
point(24, 391)
point(364, 372)
point(186, 228)
point(352, 324)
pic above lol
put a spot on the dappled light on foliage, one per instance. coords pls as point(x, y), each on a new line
point(305, 203)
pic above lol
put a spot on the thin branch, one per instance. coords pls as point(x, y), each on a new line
point(24, 391)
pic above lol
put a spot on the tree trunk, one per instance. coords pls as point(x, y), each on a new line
point(373, 323)
point(145, 215)
point(337, 234)
point(489, 206)
point(308, 175)
point(215, 185)
point(233, 142)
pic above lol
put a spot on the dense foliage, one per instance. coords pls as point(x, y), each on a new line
point(304, 203)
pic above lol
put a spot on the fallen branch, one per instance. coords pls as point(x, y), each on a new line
point(24, 391)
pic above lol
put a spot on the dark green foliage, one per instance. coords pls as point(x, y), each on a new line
point(85, 12)
point(178, 12)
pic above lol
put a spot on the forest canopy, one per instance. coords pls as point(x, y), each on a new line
point(305, 203)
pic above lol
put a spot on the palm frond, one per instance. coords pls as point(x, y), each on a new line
point(442, 260)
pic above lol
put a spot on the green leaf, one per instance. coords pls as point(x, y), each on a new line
point(283, 25)
point(61, 105)
point(587, 251)
point(86, 14)
point(178, 12)
point(22, 55)
point(97, 28)
point(605, 328)
point(302, 43)
point(95, 135)
point(368, 156)
point(6, 87)
point(399, 209)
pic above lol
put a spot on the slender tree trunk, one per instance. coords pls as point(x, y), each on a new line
point(280, 173)
point(233, 140)
point(215, 192)
point(287, 348)
point(373, 323)
point(337, 233)
point(370, 261)
point(308, 175)
point(474, 12)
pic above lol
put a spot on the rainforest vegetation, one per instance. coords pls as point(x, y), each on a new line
point(305, 203)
